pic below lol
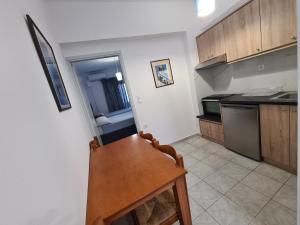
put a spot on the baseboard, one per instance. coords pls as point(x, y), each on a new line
point(183, 139)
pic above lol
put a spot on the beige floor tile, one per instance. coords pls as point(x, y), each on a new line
point(200, 154)
point(204, 219)
point(211, 147)
point(191, 179)
point(214, 161)
point(256, 222)
point(262, 184)
point(287, 196)
point(226, 212)
point(247, 198)
point(192, 139)
point(234, 171)
point(245, 162)
point(273, 172)
point(220, 182)
point(292, 181)
point(179, 152)
point(196, 209)
point(226, 154)
point(275, 214)
point(203, 194)
point(189, 161)
point(184, 147)
point(198, 143)
point(201, 170)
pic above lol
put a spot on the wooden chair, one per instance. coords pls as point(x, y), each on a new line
point(161, 210)
point(146, 136)
point(169, 150)
point(94, 144)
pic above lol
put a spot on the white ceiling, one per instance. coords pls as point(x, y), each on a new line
point(117, 0)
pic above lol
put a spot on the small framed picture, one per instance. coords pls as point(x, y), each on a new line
point(162, 73)
point(48, 61)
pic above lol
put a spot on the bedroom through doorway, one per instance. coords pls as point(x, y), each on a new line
point(103, 87)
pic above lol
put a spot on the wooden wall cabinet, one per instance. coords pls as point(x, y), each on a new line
point(242, 32)
point(278, 138)
point(258, 27)
point(211, 43)
point(212, 131)
point(278, 23)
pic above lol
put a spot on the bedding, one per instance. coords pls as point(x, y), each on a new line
point(117, 122)
point(102, 120)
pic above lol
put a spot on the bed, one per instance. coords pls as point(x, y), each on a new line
point(120, 124)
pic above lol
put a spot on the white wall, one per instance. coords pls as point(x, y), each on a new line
point(103, 20)
point(167, 111)
point(43, 153)
point(280, 70)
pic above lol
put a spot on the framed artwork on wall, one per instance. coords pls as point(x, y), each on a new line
point(162, 72)
point(49, 63)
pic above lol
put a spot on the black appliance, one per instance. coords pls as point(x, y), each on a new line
point(211, 104)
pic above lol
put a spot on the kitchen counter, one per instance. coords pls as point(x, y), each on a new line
point(216, 119)
point(256, 100)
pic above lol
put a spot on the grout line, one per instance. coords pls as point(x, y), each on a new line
point(270, 198)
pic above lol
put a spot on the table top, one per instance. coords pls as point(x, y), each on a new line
point(125, 172)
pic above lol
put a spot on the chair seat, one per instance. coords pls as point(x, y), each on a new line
point(157, 210)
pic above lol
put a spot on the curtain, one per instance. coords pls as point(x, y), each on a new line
point(124, 95)
point(113, 94)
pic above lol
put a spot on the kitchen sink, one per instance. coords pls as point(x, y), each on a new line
point(287, 96)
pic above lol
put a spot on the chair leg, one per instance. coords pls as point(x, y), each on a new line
point(134, 218)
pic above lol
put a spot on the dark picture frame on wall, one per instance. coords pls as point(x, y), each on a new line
point(50, 66)
point(162, 73)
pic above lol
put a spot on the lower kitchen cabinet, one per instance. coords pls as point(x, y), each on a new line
point(212, 131)
point(293, 138)
point(278, 128)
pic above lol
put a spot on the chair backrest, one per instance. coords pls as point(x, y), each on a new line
point(146, 136)
point(94, 144)
point(169, 150)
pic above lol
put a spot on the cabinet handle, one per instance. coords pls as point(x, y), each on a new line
point(258, 49)
point(294, 37)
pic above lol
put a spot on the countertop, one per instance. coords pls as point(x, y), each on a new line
point(256, 100)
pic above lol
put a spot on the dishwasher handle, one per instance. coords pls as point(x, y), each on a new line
point(239, 106)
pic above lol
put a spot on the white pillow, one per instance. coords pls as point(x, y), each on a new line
point(102, 120)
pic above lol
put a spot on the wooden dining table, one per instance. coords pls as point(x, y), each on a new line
point(127, 173)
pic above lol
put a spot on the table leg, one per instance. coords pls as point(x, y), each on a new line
point(182, 200)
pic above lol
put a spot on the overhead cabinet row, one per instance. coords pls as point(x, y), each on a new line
point(257, 27)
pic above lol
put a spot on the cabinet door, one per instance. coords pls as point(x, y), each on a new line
point(242, 32)
point(205, 128)
point(211, 43)
point(278, 23)
point(217, 40)
point(275, 133)
point(203, 42)
point(217, 132)
point(293, 138)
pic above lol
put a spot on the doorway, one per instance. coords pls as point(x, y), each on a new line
point(102, 83)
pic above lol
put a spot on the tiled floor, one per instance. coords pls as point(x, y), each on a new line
point(228, 189)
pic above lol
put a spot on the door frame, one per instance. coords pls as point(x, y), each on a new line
point(88, 111)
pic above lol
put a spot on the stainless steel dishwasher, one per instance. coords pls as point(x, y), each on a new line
point(241, 129)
